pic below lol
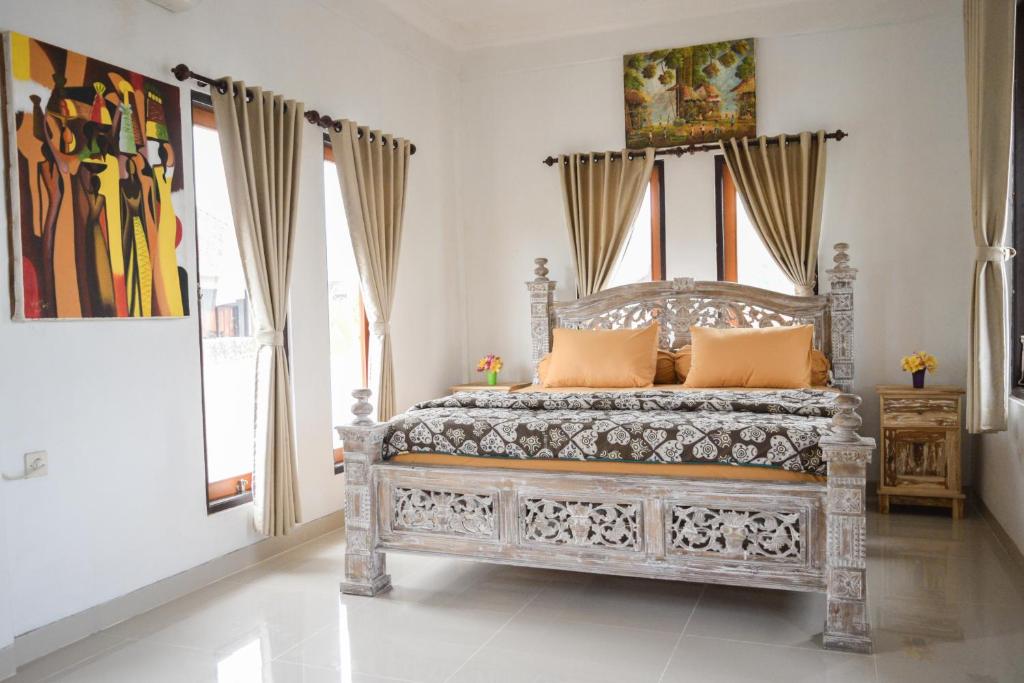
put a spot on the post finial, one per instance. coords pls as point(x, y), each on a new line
point(841, 262)
point(541, 271)
point(841, 255)
point(361, 408)
point(846, 422)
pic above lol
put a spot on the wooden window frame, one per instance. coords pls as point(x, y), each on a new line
point(339, 452)
point(658, 265)
point(223, 494)
point(725, 218)
point(1016, 208)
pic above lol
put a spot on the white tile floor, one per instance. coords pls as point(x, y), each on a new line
point(947, 605)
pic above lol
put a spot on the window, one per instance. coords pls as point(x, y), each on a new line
point(742, 256)
point(643, 258)
point(349, 329)
point(227, 348)
point(1016, 208)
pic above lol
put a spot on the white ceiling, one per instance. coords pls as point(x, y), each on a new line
point(467, 24)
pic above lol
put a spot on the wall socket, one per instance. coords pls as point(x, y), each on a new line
point(37, 464)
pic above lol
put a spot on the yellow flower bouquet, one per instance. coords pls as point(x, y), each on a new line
point(917, 364)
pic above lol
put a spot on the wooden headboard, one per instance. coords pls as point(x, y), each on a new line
point(684, 302)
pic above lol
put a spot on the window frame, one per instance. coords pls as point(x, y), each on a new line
point(220, 495)
point(659, 266)
point(726, 199)
point(1016, 218)
point(339, 453)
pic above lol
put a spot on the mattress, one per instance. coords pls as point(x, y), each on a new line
point(638, 431)
point(681, 470)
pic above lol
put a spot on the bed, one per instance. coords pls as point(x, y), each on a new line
point(634, 483)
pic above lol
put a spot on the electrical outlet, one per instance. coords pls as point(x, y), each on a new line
point(37, 464)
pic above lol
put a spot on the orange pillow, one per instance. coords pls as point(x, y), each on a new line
point(770, 357)
point(684, 357)
point(664, 373)
point(603, 358)
point(819, 369)
point(819, 366)
point(665, 367)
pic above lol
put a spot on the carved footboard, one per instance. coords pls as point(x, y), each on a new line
point(793, 536)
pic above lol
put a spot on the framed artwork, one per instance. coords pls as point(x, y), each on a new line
point(702, 93)
point(95, 170)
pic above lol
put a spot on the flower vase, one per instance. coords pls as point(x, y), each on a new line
point(918, 379)
point(492, 377)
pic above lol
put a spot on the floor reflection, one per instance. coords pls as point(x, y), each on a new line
point(244, 665)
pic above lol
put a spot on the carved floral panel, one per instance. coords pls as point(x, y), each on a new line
point(676, 314)
point(581, 523)
point(736, 534)
point(463, 514)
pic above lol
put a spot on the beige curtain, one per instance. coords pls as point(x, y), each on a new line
point(782, 186)
point(373, 170)
point(260, 140)
point(988, 47)
point(602, 197)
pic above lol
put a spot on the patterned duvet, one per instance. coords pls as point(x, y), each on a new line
point(777, 428)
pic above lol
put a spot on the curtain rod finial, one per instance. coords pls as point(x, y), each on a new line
point(313, 116)
point(182, 72)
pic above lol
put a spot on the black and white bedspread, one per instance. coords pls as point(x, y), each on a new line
point(777, 428)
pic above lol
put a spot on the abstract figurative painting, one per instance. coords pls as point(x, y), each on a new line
point(96, 164)
point(701, 93)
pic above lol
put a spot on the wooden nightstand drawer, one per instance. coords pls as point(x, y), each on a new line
point(925, 411)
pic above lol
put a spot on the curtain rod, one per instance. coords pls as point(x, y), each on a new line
point(839, 134)
point(183, 73)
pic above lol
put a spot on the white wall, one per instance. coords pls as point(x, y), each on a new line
point(6, 625)
point(1000, 474)
point(117, 404)
point(897, 188)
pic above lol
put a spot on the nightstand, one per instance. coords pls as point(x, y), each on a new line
point(921, 447)
point(484, 386)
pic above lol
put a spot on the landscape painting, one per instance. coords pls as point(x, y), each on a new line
point(702, 93)
point(96, 168)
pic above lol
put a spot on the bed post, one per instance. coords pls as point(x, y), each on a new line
point(847, 625)
point(542, 296)
point(840, 298)
point(365, 569)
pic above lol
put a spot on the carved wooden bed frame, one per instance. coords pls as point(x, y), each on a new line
point(709, 530)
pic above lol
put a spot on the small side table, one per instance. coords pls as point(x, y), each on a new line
point(484, 386)
point(920, 447)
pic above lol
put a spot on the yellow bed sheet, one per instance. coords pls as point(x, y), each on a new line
point(679, 470)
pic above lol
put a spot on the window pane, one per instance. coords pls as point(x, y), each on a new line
point(635, 263)
point(754, 265)
point(229, 351)
point(345, 310)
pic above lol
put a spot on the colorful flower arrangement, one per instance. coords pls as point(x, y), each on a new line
point(918, 361)
point(489, 363)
